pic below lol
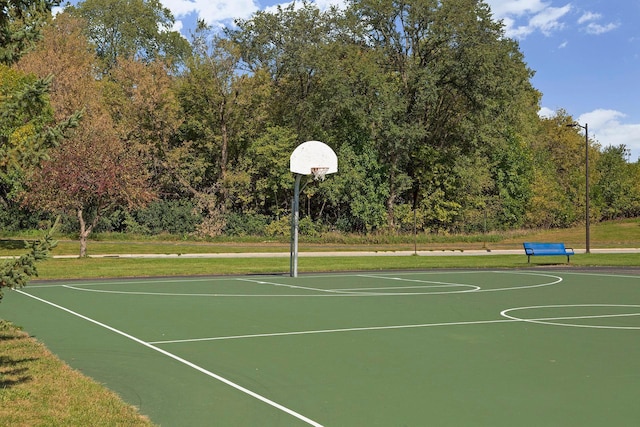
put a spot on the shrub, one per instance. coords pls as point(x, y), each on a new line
point(13, 218)
point(168, 216)
point(245, 224)
point(280, 227)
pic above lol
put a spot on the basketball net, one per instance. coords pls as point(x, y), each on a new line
point(319, 173)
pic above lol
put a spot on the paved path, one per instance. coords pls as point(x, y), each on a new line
point(350, 253)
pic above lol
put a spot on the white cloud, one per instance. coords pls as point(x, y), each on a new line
point(589, 16)
point(597, 29)
point(601, 117)
point(607, 128)
point(593, 27)
point(504, 8)
point(212, 11)
point(177, 26)
point(326, 4)
point(274, 8)
point(321, 4)
point(546, 113)
point(218, 12)
point(549, 19)
point(524, 17)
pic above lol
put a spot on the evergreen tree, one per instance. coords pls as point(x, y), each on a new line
point(27, 129)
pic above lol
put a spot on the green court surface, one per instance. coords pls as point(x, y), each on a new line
point(432, 348)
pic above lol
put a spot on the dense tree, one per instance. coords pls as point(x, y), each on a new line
point(323, 80)
point(20, 25)
point(224, 110)
point(27, 126)
point(615, 190)
point(89, 175)
point(427, 103)
point(451, 77)
point(24, 114)
point(27, 129)
point(358, 192)
point(212, 97)
point(559, 172)
point(126, 29)
point(92, 172)
point(142, 104)
point(435, 89)
point(292, 45)
point(423, 84)
point(261, 182)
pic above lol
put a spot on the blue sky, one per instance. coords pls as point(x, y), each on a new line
point(586, 54)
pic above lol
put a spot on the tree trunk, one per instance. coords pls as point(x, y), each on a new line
point(224, 155)
point(391, 200)
point(85, 230)
point(83, 235)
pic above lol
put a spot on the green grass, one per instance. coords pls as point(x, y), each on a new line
point(624, 234)
point(147, 267)
point(38, 389)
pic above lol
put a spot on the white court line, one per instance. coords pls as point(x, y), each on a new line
point(329, 331)
point(391, 288)
point(183, 279)
point(331, 291)
point(140, 281)
point(508, 319)
point(440, 284)
point(357, 291)
point(435, 284)
point(344, 292)
point(316, 276)
point(171, 294)
point(553, 320)
point(557, 279)
point(181, 360)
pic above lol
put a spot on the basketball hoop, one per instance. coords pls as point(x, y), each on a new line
point(319, 173)
point(309, 158)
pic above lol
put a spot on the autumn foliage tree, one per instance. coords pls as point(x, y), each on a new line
point(27, 126)
point(27, 129)
point(89, 175)
point(93, 171)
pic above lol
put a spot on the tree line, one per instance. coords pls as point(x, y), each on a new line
point(116, 121)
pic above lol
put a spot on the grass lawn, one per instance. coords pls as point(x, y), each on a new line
point(88, 268)
point(37, 389)
point(613, 234)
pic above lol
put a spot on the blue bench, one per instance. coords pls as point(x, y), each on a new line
point(535, 249)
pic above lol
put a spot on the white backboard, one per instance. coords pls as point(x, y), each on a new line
point(313, 154)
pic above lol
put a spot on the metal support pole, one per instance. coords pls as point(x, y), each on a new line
point(295, 219)
point(586, 163)
point(587, 218)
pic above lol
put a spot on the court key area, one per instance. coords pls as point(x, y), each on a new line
point(443, 348)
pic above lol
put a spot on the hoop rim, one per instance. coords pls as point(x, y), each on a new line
point(319, 172)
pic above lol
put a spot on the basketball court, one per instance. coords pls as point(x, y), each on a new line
point(445, 348)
